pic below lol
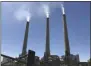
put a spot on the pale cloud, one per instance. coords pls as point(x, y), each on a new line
point(22, 13)
point(35, 8)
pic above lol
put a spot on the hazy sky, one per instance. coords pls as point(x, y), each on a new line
point(13, 28)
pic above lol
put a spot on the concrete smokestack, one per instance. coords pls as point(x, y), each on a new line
point(90, 41)
point(89, 63)
point(66, 40)
point(25, 39)
point(47, 48)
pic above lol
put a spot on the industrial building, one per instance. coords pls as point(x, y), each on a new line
point(67, 59)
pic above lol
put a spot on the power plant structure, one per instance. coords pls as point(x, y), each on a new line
point(29, 58)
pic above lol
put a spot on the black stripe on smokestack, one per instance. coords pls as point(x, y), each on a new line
point(25, 39)
point(66, 40)
point(47, 48)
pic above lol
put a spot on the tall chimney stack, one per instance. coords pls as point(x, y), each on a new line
point(66, 40)
point(47, 48)
point(89, 61)
point(89, 64)
point(25, 39)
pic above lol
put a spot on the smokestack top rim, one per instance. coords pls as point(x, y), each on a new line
point(47, 17)
point(28, 21)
